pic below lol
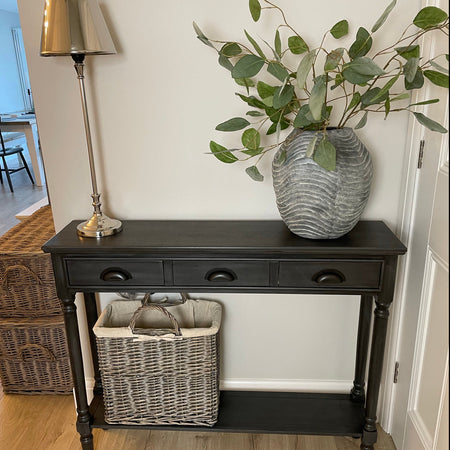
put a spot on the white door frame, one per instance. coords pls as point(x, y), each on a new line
point(404, 232)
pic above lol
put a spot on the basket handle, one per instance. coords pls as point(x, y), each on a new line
point(148, 307)
point(21, 267)
point(50, 356)
point(147, 300)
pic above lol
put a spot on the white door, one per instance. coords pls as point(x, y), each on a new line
point(419, 417)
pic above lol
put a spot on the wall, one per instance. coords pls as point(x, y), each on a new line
point(10, 96)
point(154, 107)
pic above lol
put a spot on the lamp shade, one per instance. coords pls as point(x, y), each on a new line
point(72, 27)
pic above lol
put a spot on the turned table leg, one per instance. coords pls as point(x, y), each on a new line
point(365, 314)
point(76, 363)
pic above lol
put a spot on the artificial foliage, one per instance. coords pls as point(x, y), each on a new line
point(288, 83)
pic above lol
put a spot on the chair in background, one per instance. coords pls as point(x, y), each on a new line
point(8, 151)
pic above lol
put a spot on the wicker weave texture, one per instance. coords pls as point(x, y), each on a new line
point(27, 284)
point(34, 356)
point(160, 382)
point(29, 235)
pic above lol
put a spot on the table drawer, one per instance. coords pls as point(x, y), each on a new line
point(114, 272)
point(216, 273)
point(333, 274)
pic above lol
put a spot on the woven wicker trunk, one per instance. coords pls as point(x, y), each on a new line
point(160, 380)
point(34, 358)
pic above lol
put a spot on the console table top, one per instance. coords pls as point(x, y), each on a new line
point(247, 236)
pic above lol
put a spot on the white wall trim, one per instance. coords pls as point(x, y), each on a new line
point(273, 385)
point(286, 385)
point(420, 430)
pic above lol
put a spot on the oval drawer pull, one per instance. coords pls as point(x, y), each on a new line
point(115, 275)
point(220, 275)
point(329, 277)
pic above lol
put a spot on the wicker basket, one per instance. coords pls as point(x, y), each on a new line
point(27, 284)
point(34, 356)
point(164, 379)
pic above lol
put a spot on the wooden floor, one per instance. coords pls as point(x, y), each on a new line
point(11, 203)
point(48, 423)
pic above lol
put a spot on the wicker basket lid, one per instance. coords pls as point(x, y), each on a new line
point(29, 235)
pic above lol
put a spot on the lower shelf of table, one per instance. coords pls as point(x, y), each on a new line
point(270, 412)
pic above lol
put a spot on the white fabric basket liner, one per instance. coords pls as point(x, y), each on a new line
point(195, 318)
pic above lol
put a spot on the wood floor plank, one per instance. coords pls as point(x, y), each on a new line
point(25, 194)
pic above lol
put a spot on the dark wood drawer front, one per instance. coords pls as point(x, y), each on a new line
point(114, 272)
point(333, 274)
point(221, 273)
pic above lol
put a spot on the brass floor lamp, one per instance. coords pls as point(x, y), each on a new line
point(76, 28)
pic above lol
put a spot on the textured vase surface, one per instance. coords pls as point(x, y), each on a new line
point(316, 203)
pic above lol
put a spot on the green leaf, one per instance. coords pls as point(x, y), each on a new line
point(277, 126)
point(426, 102)
point(297, 45)
point(340, 29)
point(388, 85)
point(439, 67)
point(325, 155)
point(282, 96)
point(254, 173)
point(278, 43)
point(372, 97)
point(384, 16)
point(410, 51)
point(362, 122)
point(437, 78)
point(361, 70)
point(254, 114)
point(201, 36)
point(225, 62)
point(253, 152)
point(268, 101)
point(333, 59)
point(418, 81)
point(221, 153)
point(387, 108)
point(430, 124)
point(248, 66)
point(317, 99)
point(252, 101)
point(255, 9)
point(234, 124)
point(403, 96)
point(265, 90)
point(410, 69)
point(247, 82)
point(354, 101)
point(303, 117)
point(255, 45)
point(338, 80)
point(362, 45)
point(429, 17)
point(230, 49)
point(277, 70)
point(304, 68)
point(311, 147)
point(251, 139)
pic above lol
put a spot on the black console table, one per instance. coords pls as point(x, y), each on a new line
point(237, 256)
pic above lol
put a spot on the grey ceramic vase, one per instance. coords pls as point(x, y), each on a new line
point(316, 203)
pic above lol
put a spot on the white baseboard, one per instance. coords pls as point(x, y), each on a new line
point(283, 385)
point(271, 385)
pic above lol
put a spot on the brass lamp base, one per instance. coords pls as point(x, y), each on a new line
point(99, 225)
